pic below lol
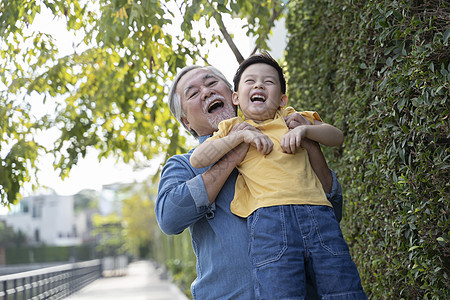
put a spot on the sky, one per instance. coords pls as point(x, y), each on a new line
point(89, 172)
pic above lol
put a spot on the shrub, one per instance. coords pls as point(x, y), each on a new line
point(380, 71)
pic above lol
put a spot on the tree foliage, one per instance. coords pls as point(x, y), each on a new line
point(10, 238)
point(110, 235)
point(139, 216)
point(382, 75)
point(109, 93)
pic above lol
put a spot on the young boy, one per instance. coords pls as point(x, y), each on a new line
point(292, 227)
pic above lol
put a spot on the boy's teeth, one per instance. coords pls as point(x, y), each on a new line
point(258, 98)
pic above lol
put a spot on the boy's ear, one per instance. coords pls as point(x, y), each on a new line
point(283, 101)
point(235, 98)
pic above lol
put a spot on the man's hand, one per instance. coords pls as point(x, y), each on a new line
point(236, 155)
point(295, 120)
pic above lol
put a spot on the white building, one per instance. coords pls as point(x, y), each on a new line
point(49, 219)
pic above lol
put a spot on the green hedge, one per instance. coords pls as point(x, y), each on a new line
point(41, 254)
point(380, 71)
point(176, 254)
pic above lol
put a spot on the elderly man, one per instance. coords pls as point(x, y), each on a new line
point(199, 199)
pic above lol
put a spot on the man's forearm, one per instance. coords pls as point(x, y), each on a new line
point(319, 164)
point(216, 176)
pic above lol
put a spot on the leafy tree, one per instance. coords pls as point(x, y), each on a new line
point(11, 238)
point(110, 92)
point(139, 217)
point(110, 235)
point(86, 199)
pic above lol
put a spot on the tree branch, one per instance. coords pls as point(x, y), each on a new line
point(228, 38)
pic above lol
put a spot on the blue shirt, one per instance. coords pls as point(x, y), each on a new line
point(219, 238)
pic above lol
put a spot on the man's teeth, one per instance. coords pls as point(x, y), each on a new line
point(215, 105)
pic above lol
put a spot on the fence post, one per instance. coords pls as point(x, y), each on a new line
point(14, 287)
point(5, 295)
point(24, 291)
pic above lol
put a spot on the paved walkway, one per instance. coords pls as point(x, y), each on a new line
point(141, 282)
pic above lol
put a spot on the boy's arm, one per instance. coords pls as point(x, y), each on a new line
point(324, 134)
point(211, 151)
point(320, 132)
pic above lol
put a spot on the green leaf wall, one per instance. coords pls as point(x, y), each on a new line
point(380, 71)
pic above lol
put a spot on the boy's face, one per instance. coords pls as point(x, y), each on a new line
point(259, 93)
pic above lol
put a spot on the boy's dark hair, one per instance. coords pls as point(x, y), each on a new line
point(260, 58)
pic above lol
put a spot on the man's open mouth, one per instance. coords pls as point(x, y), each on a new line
point(214, 106)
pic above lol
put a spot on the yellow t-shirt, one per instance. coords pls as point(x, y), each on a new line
point(277, 178)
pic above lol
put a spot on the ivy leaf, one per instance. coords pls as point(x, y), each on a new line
point(446, 35)
point(441, 241)
point(389, 61)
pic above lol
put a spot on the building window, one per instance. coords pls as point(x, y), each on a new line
point(25, 207)
point(36, 235)
point(37, 210)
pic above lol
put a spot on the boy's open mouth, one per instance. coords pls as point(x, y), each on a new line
point(258, 98)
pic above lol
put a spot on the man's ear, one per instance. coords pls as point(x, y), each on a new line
point(185, 122)
point(235, 98)
point(283, 101)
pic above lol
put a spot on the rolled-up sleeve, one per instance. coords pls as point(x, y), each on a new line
point(335, 197)
point(198, 192)
point(182, 197)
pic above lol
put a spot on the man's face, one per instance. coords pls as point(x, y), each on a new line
point(259, 94)
point(205, 99)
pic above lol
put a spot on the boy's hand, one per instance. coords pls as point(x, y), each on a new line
point(260, 141)
point(252, 136)
point(293, 139)
point(237, 155)
point(295, 120)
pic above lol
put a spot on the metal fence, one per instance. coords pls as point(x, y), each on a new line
point(50, 283)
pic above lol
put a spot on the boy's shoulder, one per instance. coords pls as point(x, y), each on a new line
point(310, 115)
point(286, 111)
point(231, 121)
point(225, 127)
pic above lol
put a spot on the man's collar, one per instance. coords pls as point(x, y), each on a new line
point(203, 138)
